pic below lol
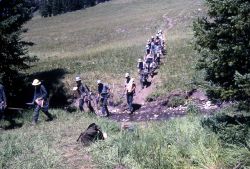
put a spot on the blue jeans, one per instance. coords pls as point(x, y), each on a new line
point(81, 103)
point(104, 104)
point(45, 109)
point(130, 101)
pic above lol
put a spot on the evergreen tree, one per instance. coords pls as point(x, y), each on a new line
point(13, 50)
point(222, 40)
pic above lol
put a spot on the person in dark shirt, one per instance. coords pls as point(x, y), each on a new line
point(40, 100)
point(83, 92)
point(3, 102)
point(103, 94)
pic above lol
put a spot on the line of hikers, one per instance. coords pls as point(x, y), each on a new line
point(154, 51)
point(151, 61)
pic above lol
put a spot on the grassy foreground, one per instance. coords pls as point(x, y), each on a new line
point(178, 143)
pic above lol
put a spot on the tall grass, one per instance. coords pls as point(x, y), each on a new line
point(179, 143)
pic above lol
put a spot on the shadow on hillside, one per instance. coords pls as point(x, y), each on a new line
point(52, 81)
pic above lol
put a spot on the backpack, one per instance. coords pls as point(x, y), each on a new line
point(91, 134)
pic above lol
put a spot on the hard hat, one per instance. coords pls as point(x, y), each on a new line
point(127, 75)
point(139, 60)
point(99, 81)
point(36, 82)
point(152, 37)
point(78, 79)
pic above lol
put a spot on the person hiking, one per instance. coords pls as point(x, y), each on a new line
point(148, 47)
point(3, 102)
point(149, 59)
point(129, 91)
point(143, 78)
point(152, 45)
point(162, 38)
point(103, 95)
point(40, 100)
point(140, 65)
point(83, 92)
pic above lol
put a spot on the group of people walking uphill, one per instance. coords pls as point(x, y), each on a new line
point(146, 67)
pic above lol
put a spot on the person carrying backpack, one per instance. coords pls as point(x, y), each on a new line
point(103, 94)
point(130, 91)
point(40, 100)
point(83, 92)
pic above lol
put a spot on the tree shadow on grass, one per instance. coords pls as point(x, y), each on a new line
point(52, 81)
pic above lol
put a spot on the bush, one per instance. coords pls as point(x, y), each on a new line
point(230, 129)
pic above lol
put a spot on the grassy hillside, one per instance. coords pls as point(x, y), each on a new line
point(105, 42)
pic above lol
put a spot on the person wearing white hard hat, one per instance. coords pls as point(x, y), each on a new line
point(83, 92)
point(103, 95)
point(130, 91)
point(40, 100)
point(140, 65)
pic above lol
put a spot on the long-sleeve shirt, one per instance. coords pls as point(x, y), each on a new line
point(82, 90)
point(40, 92)
point(99, 88)
point(2, 94)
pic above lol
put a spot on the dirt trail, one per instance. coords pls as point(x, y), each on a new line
point(141, 95)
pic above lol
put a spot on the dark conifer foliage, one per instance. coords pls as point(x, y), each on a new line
point(222, 40)
point(55, 7)
point(13, 50)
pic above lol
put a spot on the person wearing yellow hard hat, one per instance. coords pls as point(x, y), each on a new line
point(40, 100)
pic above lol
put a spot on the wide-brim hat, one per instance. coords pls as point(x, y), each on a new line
point(36, 82)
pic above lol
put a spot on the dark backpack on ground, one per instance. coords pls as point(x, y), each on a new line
point(91, 134)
